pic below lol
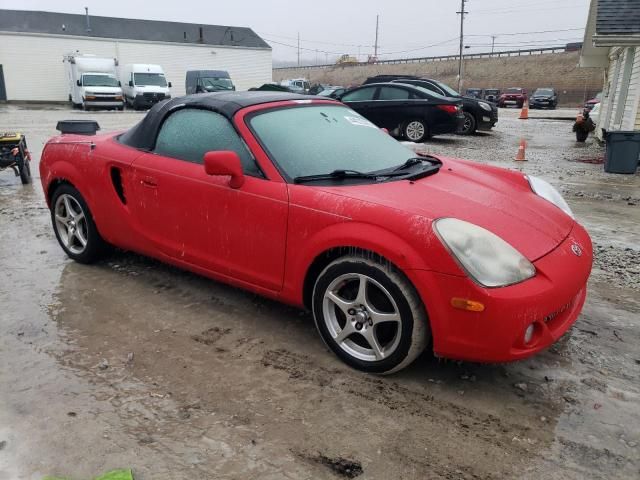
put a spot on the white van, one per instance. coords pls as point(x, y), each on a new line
point(143, 84)
point(92, 82)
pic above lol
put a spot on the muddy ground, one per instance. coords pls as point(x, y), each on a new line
point(133, 363)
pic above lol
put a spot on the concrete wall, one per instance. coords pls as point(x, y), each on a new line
point(558, 70)
point(33, 68)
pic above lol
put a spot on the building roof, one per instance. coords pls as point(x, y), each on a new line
point(27, 21)
point(143, 135)
point(618, 17)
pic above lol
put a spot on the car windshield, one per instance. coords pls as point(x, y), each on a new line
point(543, 91)
point(448, 90)
point(491, 92)
point(319, 139)
point(216, 83)
point(149, 79)
point(327, 92)
point(514, 90)
point(97, 80)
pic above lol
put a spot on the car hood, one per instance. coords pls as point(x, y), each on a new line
point(499, 200)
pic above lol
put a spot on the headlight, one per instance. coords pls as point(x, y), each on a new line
point(485, 106)
point(546, 191)
point(488, 259)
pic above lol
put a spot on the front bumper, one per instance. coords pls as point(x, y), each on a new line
point(541, 103)
point(552, 301)
point(148, 100)
point(104, 103)
point(488, 119)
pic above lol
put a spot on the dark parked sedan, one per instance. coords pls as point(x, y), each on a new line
point(405, 110)
point(544, 98)
point(478, 114)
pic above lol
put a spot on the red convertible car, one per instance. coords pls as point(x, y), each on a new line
point(305, 201)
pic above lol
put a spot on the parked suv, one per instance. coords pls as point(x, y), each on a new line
point(478, 114)
point(514, 96)
point(407, 111)
point(491, 94)
point(544, 98)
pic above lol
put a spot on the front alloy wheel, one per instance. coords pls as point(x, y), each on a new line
point(369, 315)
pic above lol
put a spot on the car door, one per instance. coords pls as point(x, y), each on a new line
point(394, 106)
point(199, 219)
point(361, 100)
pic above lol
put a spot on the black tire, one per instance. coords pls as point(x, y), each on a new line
point(25, 172)
point(470, 124)
point(410, 128)
point(95, 246)
point(399, 342)
point(581, 135)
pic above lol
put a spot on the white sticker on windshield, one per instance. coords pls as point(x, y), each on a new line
point(359, 121)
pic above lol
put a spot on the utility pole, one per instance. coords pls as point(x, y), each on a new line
point(375, 48)
point(462, 13)
point(493, 41)
point(298, 49)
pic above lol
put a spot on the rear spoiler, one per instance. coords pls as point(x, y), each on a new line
point(78, 127)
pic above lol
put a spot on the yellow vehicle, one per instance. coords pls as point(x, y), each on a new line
point(347, 60)
point(14, 154)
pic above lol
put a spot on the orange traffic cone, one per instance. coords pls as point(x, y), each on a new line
point(520, 156)
point(524, 113)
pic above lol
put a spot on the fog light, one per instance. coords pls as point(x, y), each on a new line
point(528, 333)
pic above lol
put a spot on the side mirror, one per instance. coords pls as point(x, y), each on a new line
point(78, 83)
point(169, 84)
point(131, 83)
point(225, 162)
point(119, 83)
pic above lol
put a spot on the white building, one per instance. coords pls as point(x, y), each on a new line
point(32, 45)
point(612, 41)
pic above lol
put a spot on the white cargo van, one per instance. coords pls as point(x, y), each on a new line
point(93, 82)
point(143, 84)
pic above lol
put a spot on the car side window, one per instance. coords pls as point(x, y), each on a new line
point(190, 133)
point(360, 95)
point(393, 93)
point(433, 88)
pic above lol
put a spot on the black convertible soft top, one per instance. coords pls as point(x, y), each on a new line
point(143, 135)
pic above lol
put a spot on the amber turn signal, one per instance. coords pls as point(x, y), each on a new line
point(466, 304)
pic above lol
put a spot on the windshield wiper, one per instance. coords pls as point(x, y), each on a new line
point(340, 174)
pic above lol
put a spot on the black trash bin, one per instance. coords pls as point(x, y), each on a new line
point(622, 153)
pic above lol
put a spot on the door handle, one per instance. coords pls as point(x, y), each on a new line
point(149, 182)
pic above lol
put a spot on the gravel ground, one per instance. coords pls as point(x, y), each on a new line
point(133, 363)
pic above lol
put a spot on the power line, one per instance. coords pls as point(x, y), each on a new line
point(504, 12)
point(316, 41)
point(526, 33)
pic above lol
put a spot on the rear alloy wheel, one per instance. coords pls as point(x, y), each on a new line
point(469, 125)
point(25, 172)
point(369, 315)
point(74, 227)
point(415, 131)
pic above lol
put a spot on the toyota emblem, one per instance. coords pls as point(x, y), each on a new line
point(577, 251)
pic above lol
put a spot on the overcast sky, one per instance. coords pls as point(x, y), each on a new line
point(328, 28)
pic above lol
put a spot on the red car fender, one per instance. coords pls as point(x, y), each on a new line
point(302, 252)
